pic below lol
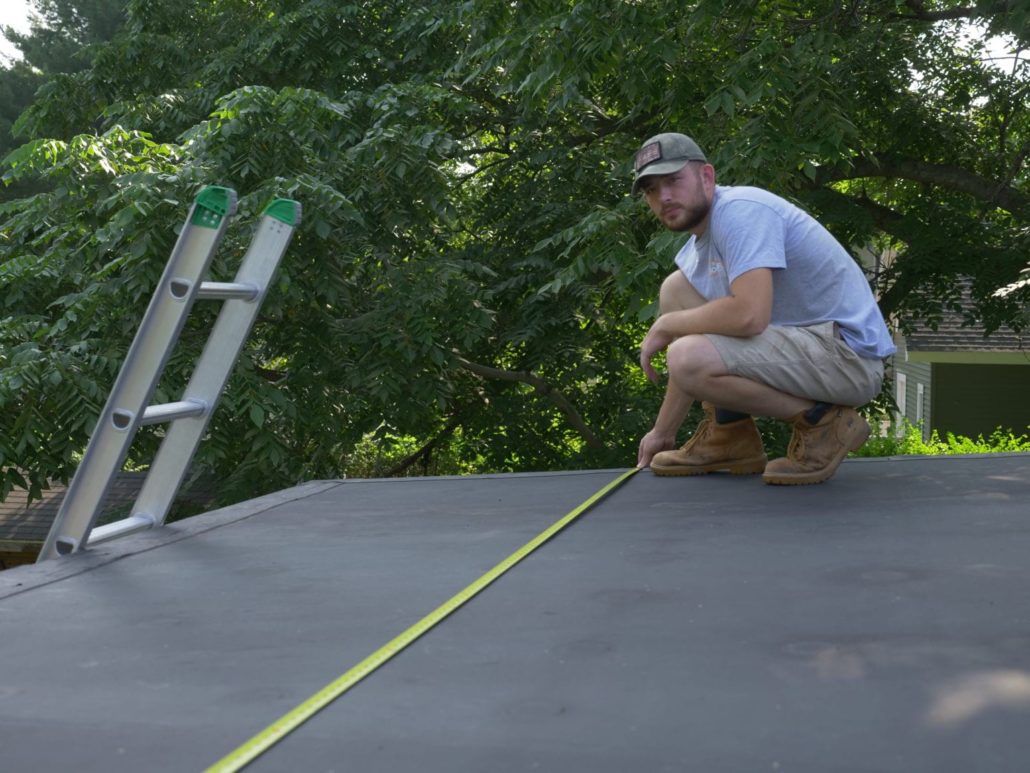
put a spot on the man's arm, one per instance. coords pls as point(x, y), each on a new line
point(745, 312)
point(662, 437)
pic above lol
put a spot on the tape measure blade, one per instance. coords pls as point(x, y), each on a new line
point(280, 728)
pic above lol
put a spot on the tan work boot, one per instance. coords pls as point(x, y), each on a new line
point(735, 447)
point(816, 451)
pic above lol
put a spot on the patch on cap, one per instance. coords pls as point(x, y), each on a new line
point(647, 154)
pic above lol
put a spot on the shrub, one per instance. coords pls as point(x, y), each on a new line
point(910, 442)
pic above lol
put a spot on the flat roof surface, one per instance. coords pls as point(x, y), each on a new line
point(877, 622)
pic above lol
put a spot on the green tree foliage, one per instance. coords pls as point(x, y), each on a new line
point(471, 271)
point(18, 84)
point(61, 32)
point(61, 37)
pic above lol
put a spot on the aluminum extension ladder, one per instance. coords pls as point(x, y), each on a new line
point(128, 408)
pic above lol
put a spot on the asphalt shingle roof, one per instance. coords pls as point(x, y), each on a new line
point(21, 521)
point(24, 522)
point(953, 335)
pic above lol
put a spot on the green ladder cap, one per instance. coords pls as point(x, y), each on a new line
point(213, 204)
point(284, 210)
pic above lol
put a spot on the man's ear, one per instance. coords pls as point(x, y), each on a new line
point(708, 176)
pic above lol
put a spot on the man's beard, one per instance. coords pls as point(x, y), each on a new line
point(692, 217)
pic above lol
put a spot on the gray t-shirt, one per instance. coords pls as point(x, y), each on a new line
point(814, 278)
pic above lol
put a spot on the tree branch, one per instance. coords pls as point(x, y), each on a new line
point(425, 451)
point(919, 12)
point(945, 175)
point(268, 374)
point(1017, 163)
point(543, 388)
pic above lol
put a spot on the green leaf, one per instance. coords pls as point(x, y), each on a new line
point(257, 414)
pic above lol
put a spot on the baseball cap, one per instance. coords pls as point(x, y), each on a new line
point(664, 154)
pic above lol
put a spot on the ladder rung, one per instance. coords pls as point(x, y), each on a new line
point(137, 522)
point(181, 409)
point(225, 290)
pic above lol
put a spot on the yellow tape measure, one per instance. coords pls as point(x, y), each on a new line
point(275, 732)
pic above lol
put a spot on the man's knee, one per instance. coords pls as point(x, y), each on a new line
point(693, 359)
point(677, 294)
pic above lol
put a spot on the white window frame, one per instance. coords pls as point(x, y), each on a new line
point(901, 398)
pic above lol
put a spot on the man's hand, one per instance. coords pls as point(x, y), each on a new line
point(657, 340)
point(651, 444)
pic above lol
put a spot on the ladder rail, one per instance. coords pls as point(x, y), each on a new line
point(162, 323)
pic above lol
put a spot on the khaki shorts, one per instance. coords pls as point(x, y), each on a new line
point(811, 362)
